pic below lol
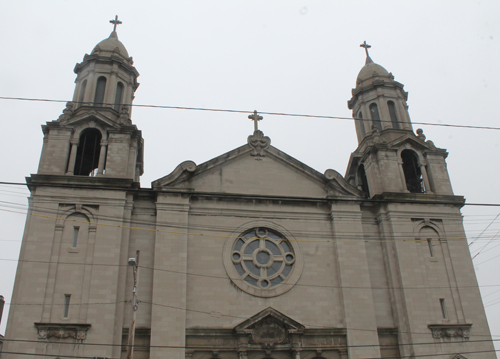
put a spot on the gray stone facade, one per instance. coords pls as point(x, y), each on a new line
point(250, 255)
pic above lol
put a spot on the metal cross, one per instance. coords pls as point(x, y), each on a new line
point(255, 118)
point(366, 46)
point(115, 22)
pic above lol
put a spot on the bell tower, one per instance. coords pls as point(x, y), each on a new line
point(95, 136)
point(390, 157)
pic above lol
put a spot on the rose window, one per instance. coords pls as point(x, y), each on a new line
point(263, 258)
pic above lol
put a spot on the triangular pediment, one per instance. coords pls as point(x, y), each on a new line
point(269, 318)
point(271, 172)
point(413, 141)
point(94, 116)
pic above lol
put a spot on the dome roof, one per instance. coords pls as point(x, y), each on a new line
point(369, 69)
point(110, 44)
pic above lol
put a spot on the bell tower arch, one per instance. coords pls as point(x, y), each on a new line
point(390, 157)
point(378, 102)
point(95, 136)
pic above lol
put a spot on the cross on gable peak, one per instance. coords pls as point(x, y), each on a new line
point(255, 117)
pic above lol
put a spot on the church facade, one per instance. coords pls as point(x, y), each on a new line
point(233, 263)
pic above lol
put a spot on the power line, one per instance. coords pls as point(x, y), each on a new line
point(350, 237)
point(236, 348)
point(226, 278)
point(233, 195)
point(263, 113)
point(233, 349)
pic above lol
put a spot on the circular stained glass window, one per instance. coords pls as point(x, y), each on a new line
point(263, 262)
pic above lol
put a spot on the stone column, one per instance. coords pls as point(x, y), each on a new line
point(87, 272)
point(354, 278)
point(402, 175)
point(72, 157)
point(52, 271)
point(109, 97)
point(427, 185)
point(102, 157)
point(170, 277)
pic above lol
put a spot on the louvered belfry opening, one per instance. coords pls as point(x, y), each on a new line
point(87, 155)
point(411, 169)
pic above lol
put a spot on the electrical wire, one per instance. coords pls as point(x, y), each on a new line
point(227, 278)
point(138, 346)
point(262, 113)
point(313, 236)
point(488, 226)
point(235, 195)
point(350, 237)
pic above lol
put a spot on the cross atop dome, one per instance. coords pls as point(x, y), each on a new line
point(366, 47)
point(115, 22)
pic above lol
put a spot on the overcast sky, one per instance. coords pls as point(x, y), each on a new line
point(287, 56)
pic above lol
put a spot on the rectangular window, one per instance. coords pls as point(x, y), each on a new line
point(443, 308)
point(67, 297)
point(75, 236)
point(429, 242)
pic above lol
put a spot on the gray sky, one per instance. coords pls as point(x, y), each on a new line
point(273, 56)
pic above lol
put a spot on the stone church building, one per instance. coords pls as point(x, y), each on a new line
point(233, 263)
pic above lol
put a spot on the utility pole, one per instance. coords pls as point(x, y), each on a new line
point(134, 263)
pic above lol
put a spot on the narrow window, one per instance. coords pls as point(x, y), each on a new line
point(67, 297)
point(99, 91)
point(81, 96)
point(443, 308)
point(392, 113)
point(411, 169)
point(118, 97)
point(375, 116)
point(87, 154)
point(75, 236)
point(362, 180)
point(429, 243)
point(361, 124)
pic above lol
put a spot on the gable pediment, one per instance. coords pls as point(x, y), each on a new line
point(94, 116)
point(269, 327)
point(413, 141)
point(269, 172)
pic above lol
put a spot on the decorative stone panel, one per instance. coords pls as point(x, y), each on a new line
point(440, 331)
point(62, 331)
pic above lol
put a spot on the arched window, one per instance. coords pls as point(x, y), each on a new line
point(392, 113)
point(99, 91)
point(76, 228)
point(362, 180)
point(81, 95)
point(411, 169)
point(118, 97)
point(361, 124)
point(87, 154)
point(431, 237)
point(375, 116)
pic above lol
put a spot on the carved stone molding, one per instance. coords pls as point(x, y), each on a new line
point(269, 332)
point(458, 356)
point(67, 112)
point(62, 331)
point(258, 142)
point(440, 331)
